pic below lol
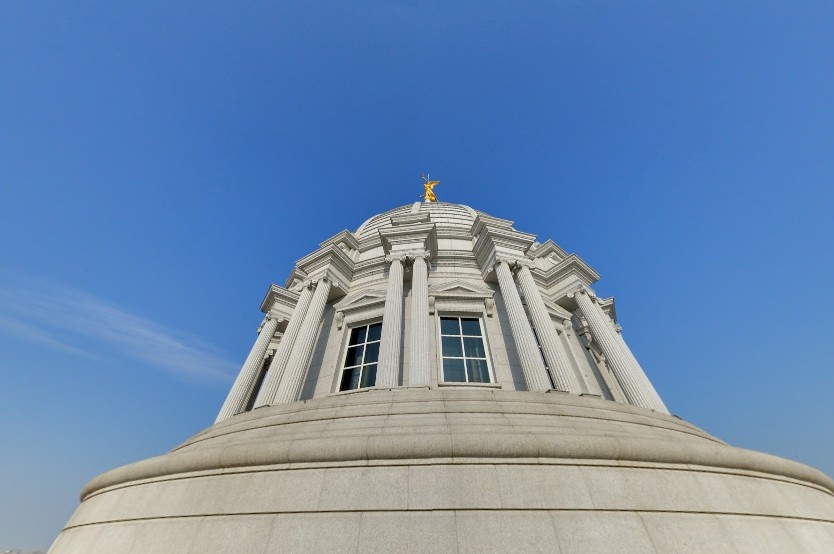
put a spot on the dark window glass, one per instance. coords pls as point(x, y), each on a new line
point(371, 353)
point(357, 335)
point(354, 355)
point(449, 326)
point(368, 376)
point(474, 347)
point(470, 327)
point(477, 370)
point(452, 347)
point(453, 370)
point(374, 332)
point(361, 357)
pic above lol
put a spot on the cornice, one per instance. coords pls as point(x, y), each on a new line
point(333, 262)
point(342, 237)
point(607, 305)
point(483, 220)
point(547, 248)
point(494, 241)
point(411, 237)
point(571, 266)
point(279, 300)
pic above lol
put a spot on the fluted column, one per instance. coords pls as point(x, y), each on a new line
point(392, 321)
point(291, 382)
point(242, 388)
point(282, 355)
point(420, 362)
point(535, 374)
point(636, 386)
point(651, 392)
point(560, 369)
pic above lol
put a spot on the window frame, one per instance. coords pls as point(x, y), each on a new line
point(348, 331)
point(441, 376)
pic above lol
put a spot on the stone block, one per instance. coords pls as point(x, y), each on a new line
point(505, 531)
point(433, 487)
point(305, 533)
point(543, 487)
point(419, 532)
point(222, 534)
point(364, 488)
point(599, 532)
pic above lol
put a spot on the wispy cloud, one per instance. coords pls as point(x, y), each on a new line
point(76, 322)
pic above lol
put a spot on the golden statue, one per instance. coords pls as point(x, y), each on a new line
point(429, 196)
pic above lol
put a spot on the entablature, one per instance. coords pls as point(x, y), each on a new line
point(279, 301)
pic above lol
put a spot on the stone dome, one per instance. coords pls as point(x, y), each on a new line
point(439, 381)
point(447, 217)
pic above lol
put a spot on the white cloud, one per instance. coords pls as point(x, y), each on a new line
point(64, 319)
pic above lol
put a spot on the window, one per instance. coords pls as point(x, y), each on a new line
point(362, 354)
point(463, 350)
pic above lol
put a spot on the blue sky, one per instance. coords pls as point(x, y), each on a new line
point(161, 164)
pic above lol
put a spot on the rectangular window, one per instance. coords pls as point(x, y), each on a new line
point(361, 357)
point(463, 351)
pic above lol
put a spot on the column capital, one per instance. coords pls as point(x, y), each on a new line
point(399, 256)
point(423, 254)
point(583, 290)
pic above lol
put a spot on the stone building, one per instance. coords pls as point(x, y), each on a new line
point(438, 381)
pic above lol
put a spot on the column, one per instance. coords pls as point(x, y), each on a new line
point(282, 355)
point(525, 343)
point(647, 384)
point(636, 386)
point(242, 388)
point(420, 360)
point(560, 369)
point(392, 323)
point(291, 382)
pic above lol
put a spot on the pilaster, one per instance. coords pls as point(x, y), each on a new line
point(420, 356)
point(389, 348)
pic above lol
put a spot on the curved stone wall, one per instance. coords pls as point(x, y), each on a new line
point(455, 471)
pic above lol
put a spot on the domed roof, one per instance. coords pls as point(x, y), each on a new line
point(445, 215)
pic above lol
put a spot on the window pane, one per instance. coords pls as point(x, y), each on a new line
point(478, 371)
point(449, 326)
point(371, 353)
point(374, 331)
point(354, 355)
point(451, 346)
point(453, 370)
point(474, 347)
point(368, 376)
point(357, 335)
point(471, 327)
point(350, 379)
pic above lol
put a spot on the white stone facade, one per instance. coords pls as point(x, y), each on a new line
point(438, 381)
point(446, 259)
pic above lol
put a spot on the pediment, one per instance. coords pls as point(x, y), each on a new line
point(461, 288)
point(556, 310)
point(360, 299)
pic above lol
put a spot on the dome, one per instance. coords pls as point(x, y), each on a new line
point(447, 217)
point(439, 381)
